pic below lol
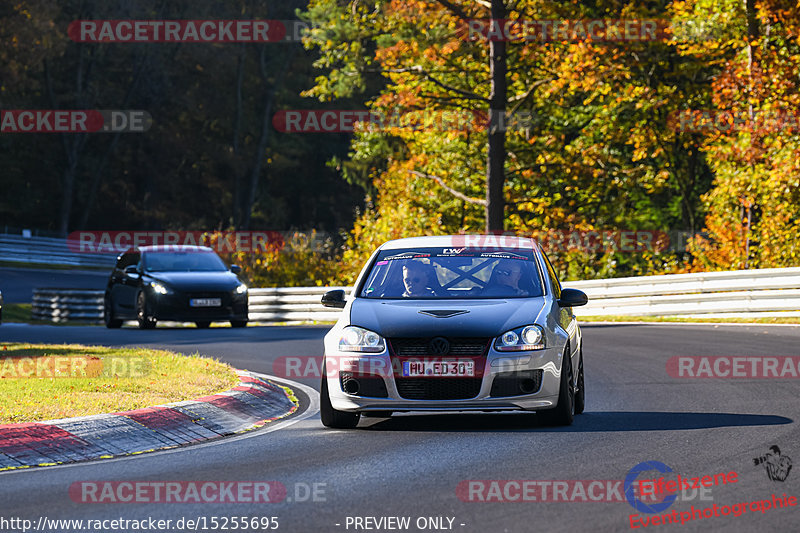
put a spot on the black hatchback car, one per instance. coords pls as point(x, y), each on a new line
point(178, 283)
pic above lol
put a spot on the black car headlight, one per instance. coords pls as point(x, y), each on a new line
point(520, 339)
point(241, 289)
point(356, 339)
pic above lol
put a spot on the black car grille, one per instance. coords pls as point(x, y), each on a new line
point(419, 346)
point(438, 388)
point(516, 383)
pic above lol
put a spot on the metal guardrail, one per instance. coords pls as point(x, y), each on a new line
point(301, 304)
point(49, 251)
point(742, 293)
point(61, 305)
point(736, 293)
point(291, 304)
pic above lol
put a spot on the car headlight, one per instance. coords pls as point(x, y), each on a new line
point(241, 289)
point(355, 339)
point(160, 288)
point(521, 339)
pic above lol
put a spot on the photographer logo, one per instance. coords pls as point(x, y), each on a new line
point(777, 466)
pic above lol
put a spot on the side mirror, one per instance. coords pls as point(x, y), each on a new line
point(572, 298)
point(131, 269)
point(236, 269)
point(334, 299)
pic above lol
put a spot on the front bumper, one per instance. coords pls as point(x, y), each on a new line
point(498, 365)
point(175, 306)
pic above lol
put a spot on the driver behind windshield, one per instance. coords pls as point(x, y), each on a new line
point(505, 280)
point(416, 281)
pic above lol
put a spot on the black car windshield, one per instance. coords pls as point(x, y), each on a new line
point(183, 262)
point(442, 273)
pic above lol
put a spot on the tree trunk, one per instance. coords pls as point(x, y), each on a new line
point(100, 170)
point(266, 121)
point(752, 35)
point(496, 156)
point(237, 128)
point(72, 143)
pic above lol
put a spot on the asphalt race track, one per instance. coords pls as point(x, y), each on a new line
point(411, 465)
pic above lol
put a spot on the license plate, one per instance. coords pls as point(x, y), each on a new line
point(438, 368)
point(205, 302)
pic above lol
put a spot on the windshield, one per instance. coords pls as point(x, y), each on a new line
point(441, 273)
point(183, 262)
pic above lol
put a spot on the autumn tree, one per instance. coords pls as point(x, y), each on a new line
point(754, 204)
point(589, 146)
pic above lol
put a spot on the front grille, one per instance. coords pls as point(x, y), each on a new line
point(438, 388)
point(368, 384)
point(459, 346)
point(516, 383)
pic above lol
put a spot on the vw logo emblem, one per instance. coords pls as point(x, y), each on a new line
point(439, 346)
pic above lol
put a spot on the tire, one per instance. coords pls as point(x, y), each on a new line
point(143, 315)
point(580, 395)
point(238, 323)
point(203, 324)
point(331, 417)
point(108, 314)
point(564, 411)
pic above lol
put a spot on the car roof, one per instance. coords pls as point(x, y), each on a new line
point(463, 241)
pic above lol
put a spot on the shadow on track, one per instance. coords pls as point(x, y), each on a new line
point(585, 423)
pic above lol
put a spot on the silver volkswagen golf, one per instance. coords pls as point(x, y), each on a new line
point(454, 323)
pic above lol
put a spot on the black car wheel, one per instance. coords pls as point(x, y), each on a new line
point(143, 314)
point(203, 324)
point(331, 417)
point(108, 314)
point(580, 395)
point(238, 323)
point(564, 411)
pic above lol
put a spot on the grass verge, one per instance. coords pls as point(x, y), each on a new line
point(16, 312)
point(72, 380)
point(762, 320)
point(22, 313)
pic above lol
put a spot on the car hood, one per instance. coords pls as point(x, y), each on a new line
point(197, 281)
point(428, 318)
